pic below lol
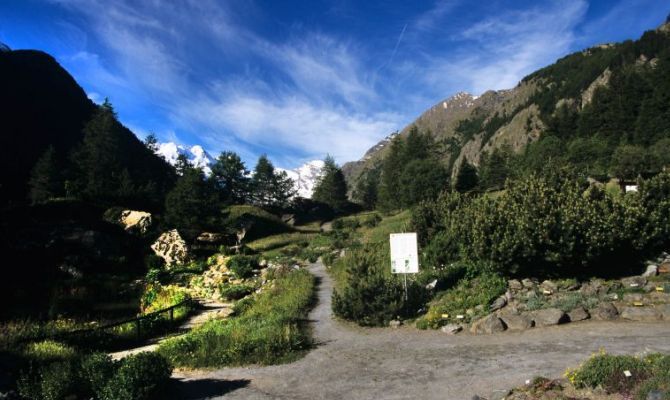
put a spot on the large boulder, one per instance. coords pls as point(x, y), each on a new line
point(640, 314)
point(172, 248)
point(605, 312)
point(517, 322)
point(664, 310)
point(549, 316)
point(652, 270)
point(488, 324)
point(578, 314)
point(135, 221)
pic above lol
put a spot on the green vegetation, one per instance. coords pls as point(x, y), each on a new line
point(268, 330)
point(141, 376)
point(331, 188)
point(242, 266)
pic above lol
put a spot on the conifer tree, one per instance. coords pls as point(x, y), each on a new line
point(331, 187)
point(270, 188)
point(191, 203)
point(230, 177)
point(45, 180)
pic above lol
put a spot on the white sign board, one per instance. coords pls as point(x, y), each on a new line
point(404, 254)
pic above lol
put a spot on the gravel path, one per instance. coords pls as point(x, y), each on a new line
point(355, 363)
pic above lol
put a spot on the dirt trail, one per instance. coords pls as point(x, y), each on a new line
point(354, 363)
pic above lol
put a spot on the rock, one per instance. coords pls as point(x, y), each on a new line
point(549, 316)
point(634, 282)
point(210, 237)
point(593, 288)
point(549, 286)
point(395, 324)
point(578, 314)
point(172, 248)
point(451, 329)
point(488, 324)
point(499, 303)
point(528, 284)
point(652, 270)
point(664, 310)
point(475, 397)
point(431, 285)
point(656, 394)
point(640, 314)
point(517, 322)
point(137, 221)
point(514, 284)
point(509, 296)
point(499, 394)
point(633, 297)
point(659, 297)
point(605, 312)
point(664, 268)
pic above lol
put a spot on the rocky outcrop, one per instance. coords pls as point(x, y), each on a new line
point(602, 81)
point(135, 221)
point(645, 314)
point(517, 322)
point(172, 248)
point(487, 325)
point(578, 314)
point(605, 312)
point(549, 316)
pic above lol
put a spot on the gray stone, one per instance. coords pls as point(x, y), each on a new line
point(499, 303)
point(451, 329)
point(634, 282)
point(593, 288)
point(431, 285)
point(395, 324)
point(659, 297)
point(509, 296)
point(528, 284)
point(517, 322)
point(135, 221)
point(605, 312)
point(549, 316)
point(172, 248)
point(488, 324)
point(514, 284)
point(549, 286)
point(578, 314)
point(633, 297)
point(499, 394)
point(652, 270)
point(644, 314)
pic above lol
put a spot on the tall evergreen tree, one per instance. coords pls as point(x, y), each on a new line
point(231, 179)
point(191, 203)
point(45, 180)
point(151, 142)
point(96, 160)
point(390, 175)
point(467, 178)
point(270, 188)
point(366, 189)
point(331, 187)
point(182, 165)
point(422, 179)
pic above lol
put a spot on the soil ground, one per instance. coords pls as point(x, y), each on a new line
point(349, 362)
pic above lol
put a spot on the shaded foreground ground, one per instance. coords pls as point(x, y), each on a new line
point(355, 363)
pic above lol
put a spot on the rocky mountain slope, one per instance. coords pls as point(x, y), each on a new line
point(466, 126)
point(305, 177)
point(196, 155)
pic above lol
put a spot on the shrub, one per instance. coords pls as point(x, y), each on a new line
point(242, 266)
point(266, 331)
point(470, 294)
point(139, 376)
point(607, 371)
point(48, 350)
point(235, 292)
point(95, 371)
point(157, 297)
point(49, 382)
point(372, 298)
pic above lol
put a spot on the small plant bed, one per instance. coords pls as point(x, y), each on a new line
point(268, 328)
point(604, 376)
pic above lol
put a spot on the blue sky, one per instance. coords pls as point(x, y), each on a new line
point(300, 79)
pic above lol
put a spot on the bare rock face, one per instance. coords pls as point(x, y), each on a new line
point(489, 324)
point(137, 221)
point(211, 238)
point(641, 314)
point(578, 314)
point(172, 248)
point(549, 316)
point(517, 322)
point(605, 312)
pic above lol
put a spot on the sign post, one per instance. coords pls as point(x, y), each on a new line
point(404, 255)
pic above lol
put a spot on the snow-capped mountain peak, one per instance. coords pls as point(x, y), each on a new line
point(196, 155)
point(305, 177)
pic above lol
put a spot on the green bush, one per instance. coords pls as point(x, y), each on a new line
point(548, 226)
point(474, 294)
point(53, 381)
point(95, 371)
point(48, 350)
point(267, 330)
point(235, 292)
point(370, 296)
point(242, 266)
point(607, 371)
point(140, 376)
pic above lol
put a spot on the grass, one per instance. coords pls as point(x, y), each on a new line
point(392, 224)
point(278, 241)
point(260, 223)
point(268, 331)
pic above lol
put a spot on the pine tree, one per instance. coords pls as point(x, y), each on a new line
point(365, 192)
point(422, 179)
point(191, 203)
point(45, 180)
point(466, 179)
point(151, 142)
point(182, 164)
point(331, 187)
point(270, 188)
point(390, 175)
point(96, 160)
point(230, 177)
